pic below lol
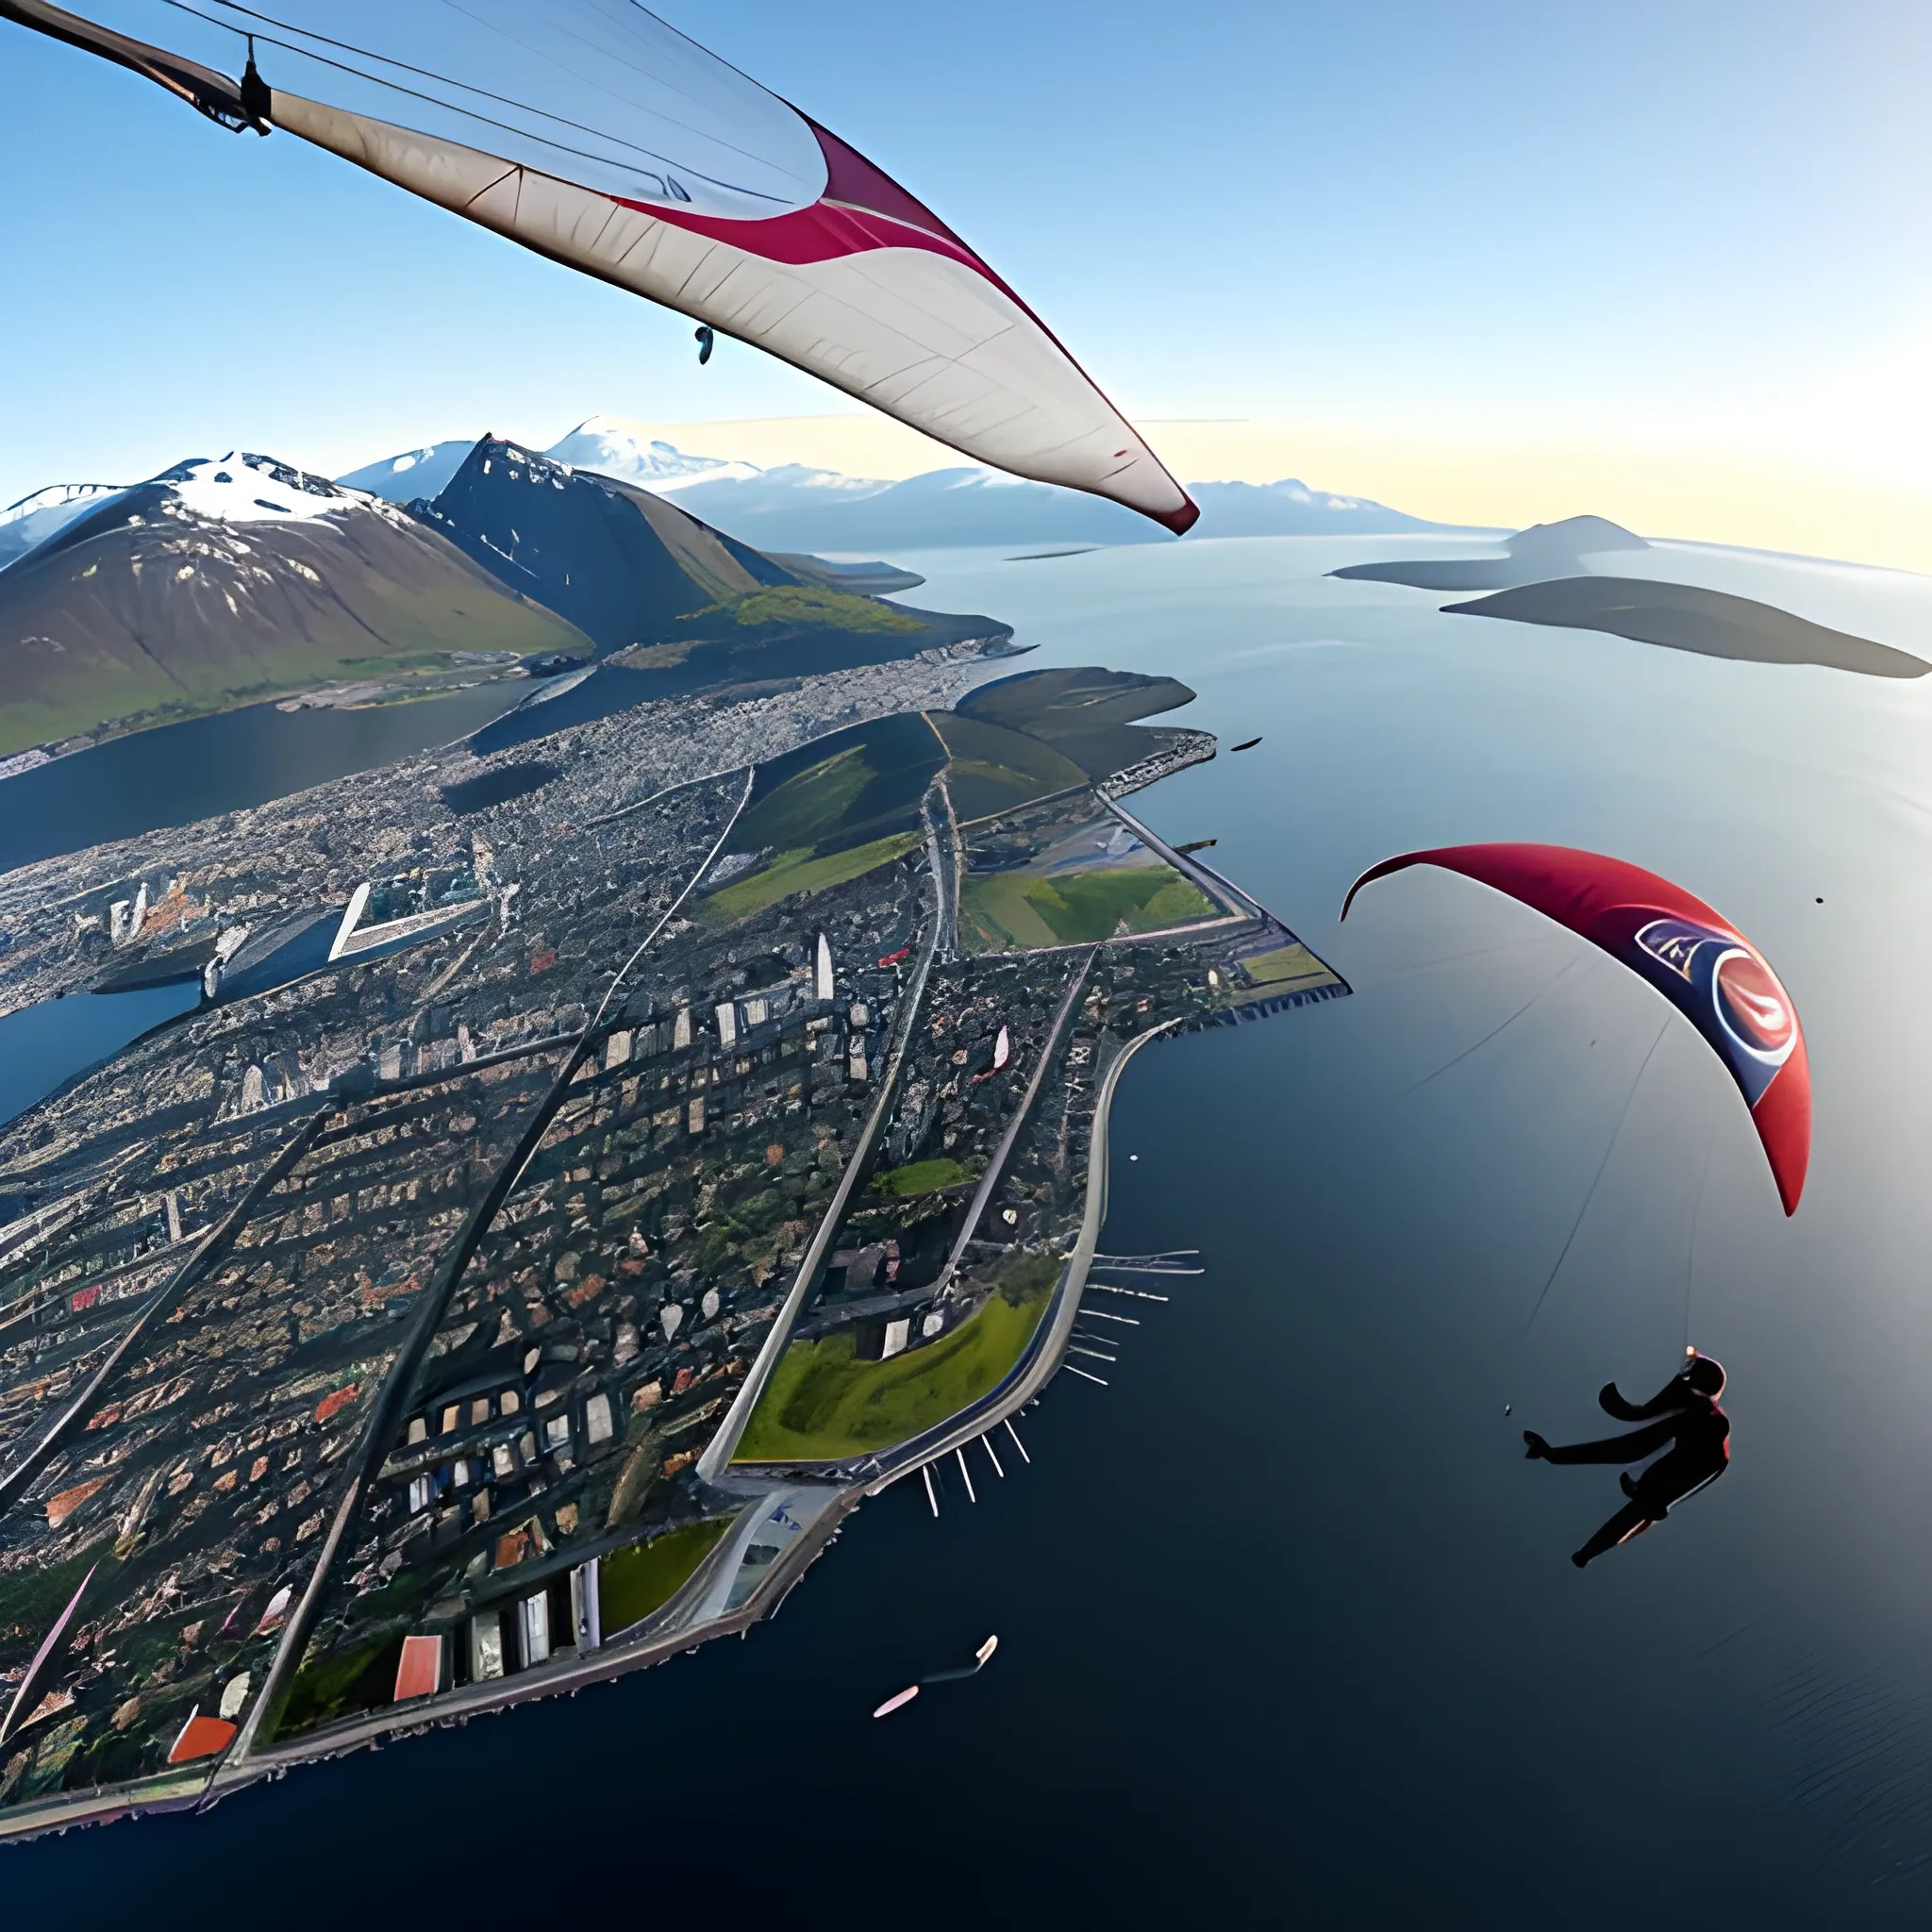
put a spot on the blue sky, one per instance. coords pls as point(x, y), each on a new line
point(1505, 218)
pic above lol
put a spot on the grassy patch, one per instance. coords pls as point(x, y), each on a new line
point(652, 657)
point(362, 1678)
point(856, 784)
point(31, 1599)
point(822, 1404)
point(646, 1577)
point(799, 872)
point(808, 604)
point(996, 769)
point(920, 1177)
point(1017, 911)
point(809, 806)
point(1284, 966)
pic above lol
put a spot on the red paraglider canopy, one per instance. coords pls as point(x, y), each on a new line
point(1691, 953)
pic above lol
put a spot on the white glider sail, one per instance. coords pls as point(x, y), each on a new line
point(593, 133)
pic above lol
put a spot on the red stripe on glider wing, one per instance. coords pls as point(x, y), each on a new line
point(864, 208)
point(1573, 888)
point(1783, 1119)
point(822, 232)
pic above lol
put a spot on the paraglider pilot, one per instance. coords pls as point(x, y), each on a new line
point(1684, 1413)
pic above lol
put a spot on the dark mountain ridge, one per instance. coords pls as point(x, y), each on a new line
point(671, 604)
point(622, 565)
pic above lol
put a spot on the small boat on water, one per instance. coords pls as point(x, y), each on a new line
point(980, 1660)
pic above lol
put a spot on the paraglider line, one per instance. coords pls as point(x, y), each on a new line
point(1471, 953)
point(1493, 1031)
point(1615, 1134)
point(1690, 1257)
point(451, 106)
point(609, 57)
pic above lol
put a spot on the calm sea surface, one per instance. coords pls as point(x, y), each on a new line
point(204, 766)
point(1289, 1632)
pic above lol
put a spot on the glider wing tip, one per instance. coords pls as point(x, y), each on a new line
point(1378, 871)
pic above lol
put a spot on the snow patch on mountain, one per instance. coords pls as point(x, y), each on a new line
point(240, 488)
point(611, 447)
point(417, 472)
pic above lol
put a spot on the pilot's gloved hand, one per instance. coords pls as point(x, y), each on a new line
point(1538, 1448)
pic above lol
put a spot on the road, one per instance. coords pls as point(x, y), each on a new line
point(994, 1167)
point(1043, 1359)
point(724, 1445)
point(392, 1397)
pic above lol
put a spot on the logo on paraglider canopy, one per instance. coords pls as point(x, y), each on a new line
point(1730, 991)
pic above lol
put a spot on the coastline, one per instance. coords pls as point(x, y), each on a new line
point(665, 1633)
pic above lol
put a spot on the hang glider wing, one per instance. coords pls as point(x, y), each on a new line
point(596, 134)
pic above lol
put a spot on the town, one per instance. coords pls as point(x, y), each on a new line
point(589, 1172)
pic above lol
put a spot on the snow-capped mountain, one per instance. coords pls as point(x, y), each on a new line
point(231, 576)
point(1293, 508)
point(634, 570)
point(795, 507)
point(605, 444)
point(415, 472)
point(618, 562)
point(613, 447)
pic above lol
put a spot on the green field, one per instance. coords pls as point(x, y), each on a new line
point(1087, 715)
point(1011, 911)
point(920, 1177)
point(823, 1404)
point(808, 604)
point(1285, 966)
point(799, 872)
point(996, 769)
point(362, 1678)
point(854, 785)
point(634, 1582)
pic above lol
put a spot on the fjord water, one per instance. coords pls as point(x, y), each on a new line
point(45, 1046)
point(1289, 1631)
point(201, 767)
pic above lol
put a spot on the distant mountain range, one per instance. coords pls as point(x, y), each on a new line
point(795, 507)
point(422, 473)
point(220, 582)
point(224, 581)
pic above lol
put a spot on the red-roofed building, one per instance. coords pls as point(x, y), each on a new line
point(418, 1673)
point(201, 1737)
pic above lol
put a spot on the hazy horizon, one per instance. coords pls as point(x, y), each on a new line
point(1690, 295)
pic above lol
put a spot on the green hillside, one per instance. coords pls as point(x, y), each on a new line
point(141, 625)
